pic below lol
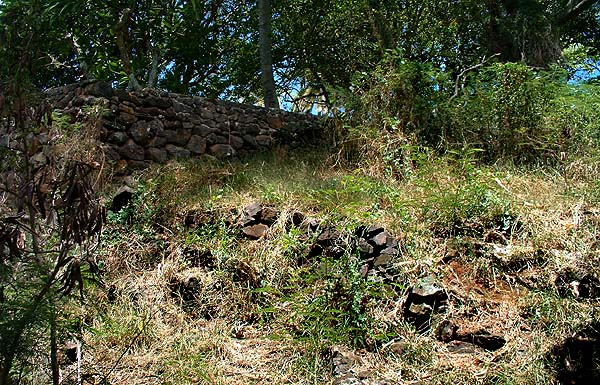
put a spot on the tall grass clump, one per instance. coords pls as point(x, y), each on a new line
point(517, 113)
point(512, 112)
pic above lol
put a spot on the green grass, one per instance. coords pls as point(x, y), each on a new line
point(258, 316)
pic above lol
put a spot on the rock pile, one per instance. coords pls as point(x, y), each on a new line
point(424, 299)
point(377, 249)
point(344, 366)
point(468, 342)
point(256, 220)
point(153, 126)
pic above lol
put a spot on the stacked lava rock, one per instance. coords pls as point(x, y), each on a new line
point(151, 126)
point(256, 220)
point(330, 242)
point(377, 249)
point(424, 300)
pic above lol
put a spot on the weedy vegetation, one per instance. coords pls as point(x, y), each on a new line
point(195, 301)
point(489, 199)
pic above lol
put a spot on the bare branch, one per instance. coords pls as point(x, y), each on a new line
point(573, 9)
point(463, 73)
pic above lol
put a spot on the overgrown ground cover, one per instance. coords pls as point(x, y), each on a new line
point(186, 298)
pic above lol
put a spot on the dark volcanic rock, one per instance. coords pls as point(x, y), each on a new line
point(253, 210)
point(297, 218)
point(342, 360)
point(390, 251)
point(571, 283)
point(71, 348)
point(383, 260)
point(427, 289)
point(365, 248)
point(236, 142)
point(462, 347)
point(255, 231)
point(328, 237)
point(419, 310)
point(180, 137)
point(246, 221)
point(312, 225)
point(176, 151)
point(195, 219)
point(268, 216)
point(142, 131)
point(577, 358)
point(200, 258)
point(314, 251)
point(380, 240)
point(447, 331)
point(100, 88)
point(132, 151)
point(155, 154)
point(156, 101)
point(424, 299)
point(328, 244)
point(122, 197)
point(197, 145)
point(255, 213)
point(484, 339)
point(369, 232)
point(126, 118)
point(222, 150)
point(187, 289)
point(118, 138)
point(244, 272)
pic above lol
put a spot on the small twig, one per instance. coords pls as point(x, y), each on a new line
point(79, 348)
point(463, 73)
point(133, 340)
point(503, 186)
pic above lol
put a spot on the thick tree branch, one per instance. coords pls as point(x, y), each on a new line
point(573, 9)
point(124, 44)
point(462, 76)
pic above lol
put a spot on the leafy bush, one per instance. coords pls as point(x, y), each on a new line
point(50, 225)
point(398, 95)
point(510, 111)
point(333, 304)
point(502, 111)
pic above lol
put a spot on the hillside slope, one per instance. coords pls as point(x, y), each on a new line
point(297, 270)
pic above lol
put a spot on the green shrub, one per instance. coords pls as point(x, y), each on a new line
point(509, 110)
point(502, 112)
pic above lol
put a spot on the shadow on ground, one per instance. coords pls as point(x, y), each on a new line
point(577, 358)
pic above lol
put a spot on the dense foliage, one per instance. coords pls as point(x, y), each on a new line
point(495, 80)
point(427, 61)
point(211, 47)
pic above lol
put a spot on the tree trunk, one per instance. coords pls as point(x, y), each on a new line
point(266, 59)
point(153, 73)
point(379, 25)
point(528, 32)
point(523, 32)
point(5, 368)
point(54, 350)
point(124, 45)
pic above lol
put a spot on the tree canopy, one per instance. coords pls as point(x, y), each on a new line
point(211, 47)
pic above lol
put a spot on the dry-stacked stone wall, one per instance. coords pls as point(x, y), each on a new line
point(152, 126)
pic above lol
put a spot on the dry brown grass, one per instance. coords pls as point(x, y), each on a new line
point(555, 227)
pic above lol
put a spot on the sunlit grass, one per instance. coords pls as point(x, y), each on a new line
point(259, 317)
